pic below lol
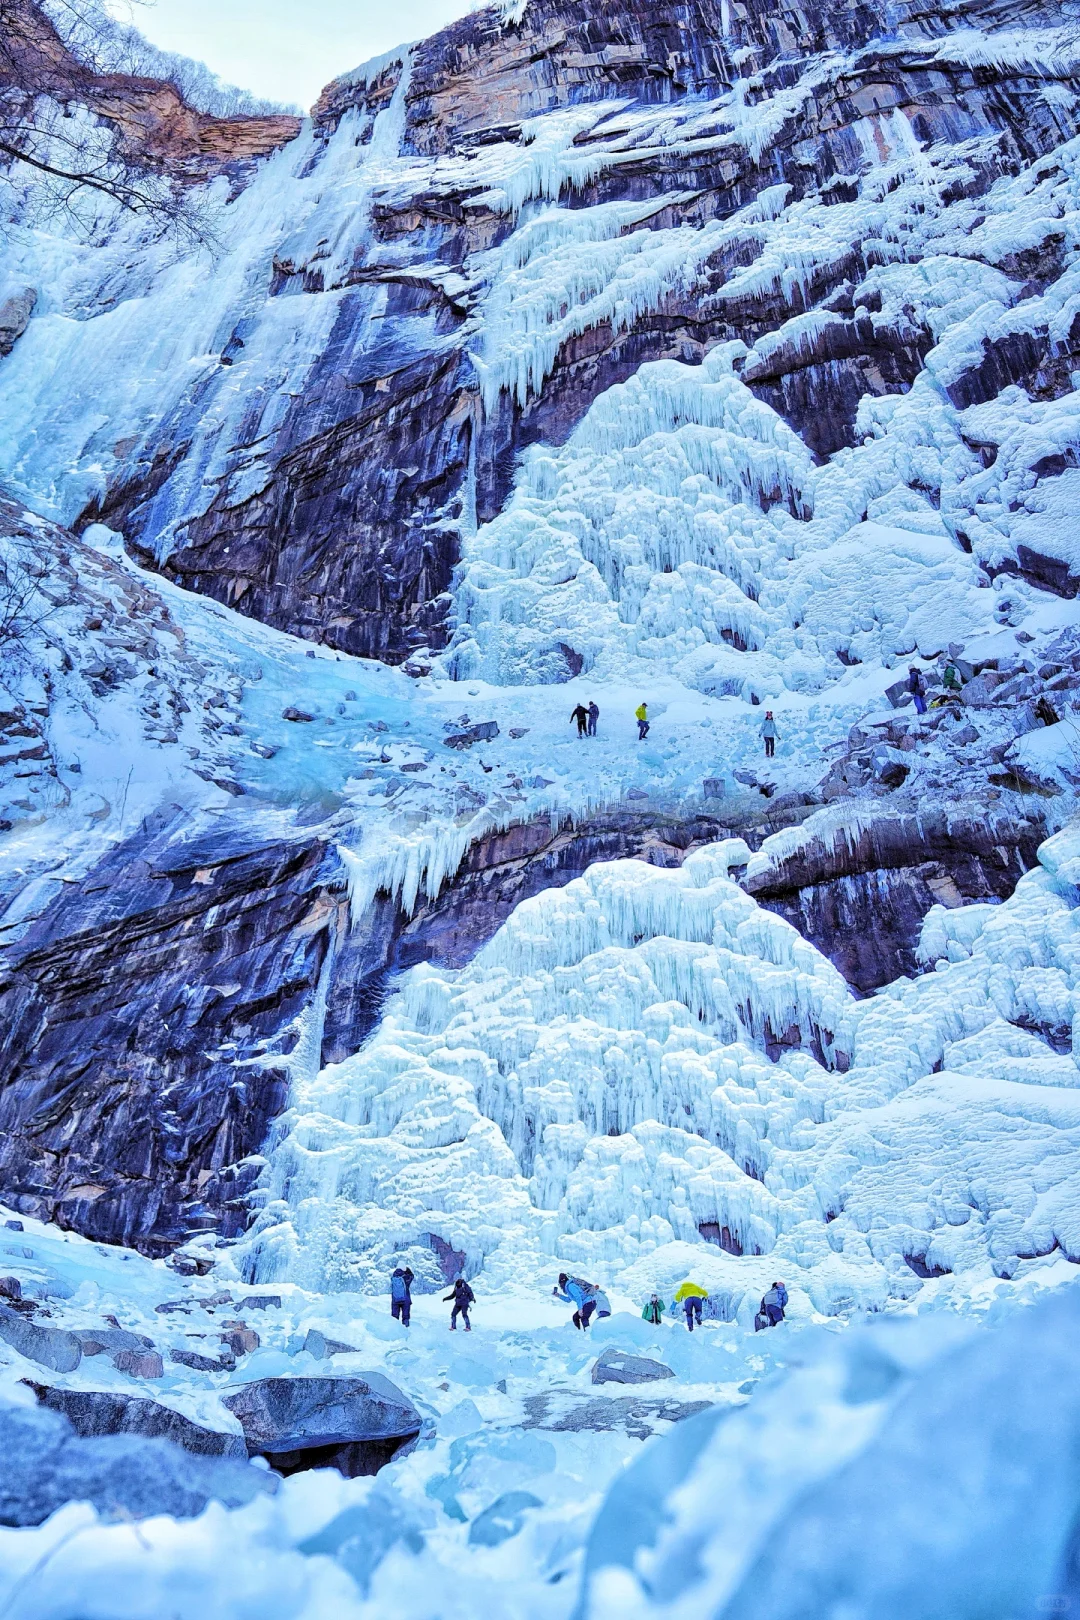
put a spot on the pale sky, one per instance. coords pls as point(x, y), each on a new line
point(288, 49)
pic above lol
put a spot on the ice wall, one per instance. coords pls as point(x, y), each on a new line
point(645, 1073)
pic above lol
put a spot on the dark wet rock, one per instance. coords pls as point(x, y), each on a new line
point(197, 1362)
point(127, 1011)
point(102, 1412)
point(483, 731)
point(49, 1346)
point(262, 1302)
point(10, 1287)
point(889, 766)
point(47, 1465)
point(621, 1367)
point(190, 1265)
point(354, 1424)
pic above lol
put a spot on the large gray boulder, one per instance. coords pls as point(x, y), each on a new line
point(46, 1465)
point(98, 1412)
point(49, 1346)
point(352, 1424)
point(620, 1367)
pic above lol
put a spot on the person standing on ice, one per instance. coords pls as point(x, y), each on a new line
point(690, 1297)
point(774, 1303)
point(462, 1296)
point(401, 1295)
point(641, 715)
point(594, 715)
point(581, 715)
point(654, 1311)
point(917, 688)
point(579, 1293)
point(769, 732)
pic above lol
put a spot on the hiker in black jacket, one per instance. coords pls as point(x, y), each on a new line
point(462, 1297)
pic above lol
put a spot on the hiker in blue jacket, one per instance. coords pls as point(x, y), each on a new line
point(579, 1293)
point(774, 1303)
point(401, 1295)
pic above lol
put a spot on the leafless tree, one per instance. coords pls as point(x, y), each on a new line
point(61, 120)
point(23, 607)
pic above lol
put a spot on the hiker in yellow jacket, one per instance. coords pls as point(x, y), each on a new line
point(690, 1297)
point(641, 715)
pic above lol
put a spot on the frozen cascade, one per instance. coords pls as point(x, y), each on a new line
point(646, 1056)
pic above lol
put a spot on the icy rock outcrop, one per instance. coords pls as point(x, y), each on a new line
point(95, 1413)
point(354, 1424)
point(620, 1367)
point(858, 880)
point(480, 240)
point(46, 1466)
point(184, 971)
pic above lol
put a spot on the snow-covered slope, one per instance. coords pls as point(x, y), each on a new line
point(693, 354)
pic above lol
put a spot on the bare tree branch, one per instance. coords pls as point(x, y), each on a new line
point(104, 151)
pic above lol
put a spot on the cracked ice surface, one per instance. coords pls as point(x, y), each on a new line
point(647, 1052)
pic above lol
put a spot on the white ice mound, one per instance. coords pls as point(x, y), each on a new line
point(646, 1073)
point(903, 1472)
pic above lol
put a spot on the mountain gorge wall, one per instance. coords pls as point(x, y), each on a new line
point(332, 500)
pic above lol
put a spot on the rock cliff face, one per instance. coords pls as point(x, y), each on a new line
point(150, 1016)
point(337, 511)
point(470, 246)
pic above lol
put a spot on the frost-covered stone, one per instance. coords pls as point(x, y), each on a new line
point(351, 1423)
point(49, 1346)
point(46, 1466)
point(620, 1367)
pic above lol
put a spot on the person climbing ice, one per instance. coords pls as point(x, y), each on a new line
point(641, 715)
point(690, 1296)
point(401, 1295)
point(769, 732)
point(951, 678)
point(654, 1310)
point(917, 688)
point(774, 1303)
point(594, 715)
point(581, 715)
point(462, 1296)
point(584, 1296)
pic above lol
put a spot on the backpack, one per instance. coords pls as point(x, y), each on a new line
point(397, 1286)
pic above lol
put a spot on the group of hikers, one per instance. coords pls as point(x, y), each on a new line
point(587, 716)
point(588, 1301)
point(401, 1282)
